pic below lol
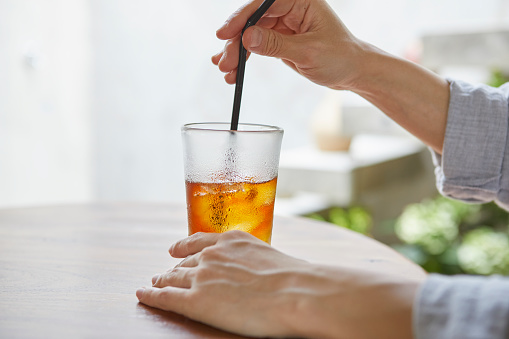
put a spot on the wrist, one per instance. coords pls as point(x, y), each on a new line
point(411, 95)
point(371, 70)
point(350, 304)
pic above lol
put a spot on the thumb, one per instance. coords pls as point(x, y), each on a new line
point(270, 43)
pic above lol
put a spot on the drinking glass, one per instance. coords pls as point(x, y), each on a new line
point(231, 177)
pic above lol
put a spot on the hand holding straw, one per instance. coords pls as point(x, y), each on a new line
point(242, 63)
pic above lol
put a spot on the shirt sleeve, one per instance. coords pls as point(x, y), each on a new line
point(462, 307)
point(474, 165)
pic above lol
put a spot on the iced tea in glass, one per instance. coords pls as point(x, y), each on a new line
point(231, 177)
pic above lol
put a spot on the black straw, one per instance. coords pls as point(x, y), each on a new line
point(242, 63)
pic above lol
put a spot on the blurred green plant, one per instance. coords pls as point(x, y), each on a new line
point(450, 237)
point(484, 251)
point(442, 235)
point(355, 218)
point(432, 224)
point(498, 78)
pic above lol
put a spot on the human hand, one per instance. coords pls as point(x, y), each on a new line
point(238, 283)
point(309, 37)
point(306, 34)
point(232, 281)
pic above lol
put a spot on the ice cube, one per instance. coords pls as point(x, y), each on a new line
point(266, 193)
point(202, 190)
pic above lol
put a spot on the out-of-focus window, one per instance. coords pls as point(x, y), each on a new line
point(93, 92)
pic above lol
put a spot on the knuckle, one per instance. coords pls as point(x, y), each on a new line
point(180, 245)
point(223, 67)
point(185, 244)
point(202, 273)
point(194, 236)
point(174, 271)
point(208, 253)
point(169, 275)
point(184, 262)
point(211, 255)
point(234, 234)
point(160, 282)
point(274, 44)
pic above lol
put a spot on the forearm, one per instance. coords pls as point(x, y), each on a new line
point(414, 97)
point(351, 303)
point(309, 37)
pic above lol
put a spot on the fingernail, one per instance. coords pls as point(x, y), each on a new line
point(154, 279)
point(139, 293)
point(256, 37)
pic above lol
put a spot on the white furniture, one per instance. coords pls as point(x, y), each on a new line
point(381, 173)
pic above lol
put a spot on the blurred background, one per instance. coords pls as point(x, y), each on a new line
point(93, 94)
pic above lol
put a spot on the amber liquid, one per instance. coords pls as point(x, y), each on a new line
point(221, 207)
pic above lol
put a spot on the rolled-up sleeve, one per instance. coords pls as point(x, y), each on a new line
point(474, 165)
point(462, 307)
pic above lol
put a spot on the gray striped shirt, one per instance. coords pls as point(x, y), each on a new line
point(474, 167)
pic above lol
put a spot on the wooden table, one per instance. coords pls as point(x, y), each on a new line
point(72, 271)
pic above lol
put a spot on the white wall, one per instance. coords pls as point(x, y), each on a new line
point(153, 73)
point(99, 117)
point(44, 102)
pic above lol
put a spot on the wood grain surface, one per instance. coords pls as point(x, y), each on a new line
point(72, 271)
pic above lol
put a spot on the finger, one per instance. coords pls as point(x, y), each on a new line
point(236, 22)
point(274, 44)
point(176, 277)
point(193, 244)
point(190, 261)
point(231, 77)
point(215, 59)
point(282, 27)
point(230, 58)
point(154, 279)
point(267, 22)
point(168, 298)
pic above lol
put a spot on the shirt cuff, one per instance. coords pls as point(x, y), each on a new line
point(466, 307)
point(471, 163)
